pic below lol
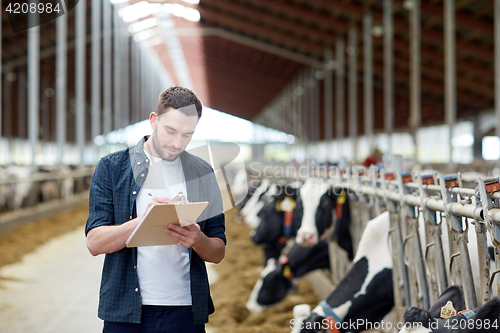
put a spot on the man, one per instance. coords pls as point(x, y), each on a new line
point(158, 288)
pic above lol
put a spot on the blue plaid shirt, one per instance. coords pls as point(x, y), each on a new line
point(115, 185)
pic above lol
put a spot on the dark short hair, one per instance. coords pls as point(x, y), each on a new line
point(179, 98)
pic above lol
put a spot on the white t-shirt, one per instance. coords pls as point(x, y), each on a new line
point(163, 270)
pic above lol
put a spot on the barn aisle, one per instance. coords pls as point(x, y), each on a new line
point(53, 289)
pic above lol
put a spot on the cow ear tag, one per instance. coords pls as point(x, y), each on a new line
point(287, 272)
point(448, 311)
point(287, 204)
point(341, 198)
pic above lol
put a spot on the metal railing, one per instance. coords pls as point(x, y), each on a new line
point(421, 207)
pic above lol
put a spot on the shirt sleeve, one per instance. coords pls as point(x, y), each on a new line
point(100, 197)
point(215, 226)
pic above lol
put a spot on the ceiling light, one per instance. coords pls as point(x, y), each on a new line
point(377, 30)
point(143, 25)
point(179, 10)
point(139, 10)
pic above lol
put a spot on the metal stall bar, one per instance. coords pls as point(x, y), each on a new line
point(33, 83)
point(61, 84)
point(117, 69)
point(415, 89)
point(388, 72)
point(450, 98)
point(328, 93)
point(96, 69)
point(417, 274)
point(353, 89)
point(434, 255)
point(489, 198)
point(339, 93)
point(368, 78)
point(80, 50)
point(458, 245)
point(107, 68)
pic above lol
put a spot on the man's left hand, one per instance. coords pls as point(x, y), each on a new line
point(187, 236)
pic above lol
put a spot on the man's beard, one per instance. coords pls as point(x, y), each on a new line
point(160, 152)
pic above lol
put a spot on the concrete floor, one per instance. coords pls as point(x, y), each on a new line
point(55, 289)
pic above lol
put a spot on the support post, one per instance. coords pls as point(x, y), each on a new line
point(415, 89)
point(80, 50)
point(450, 98)
point(96, 69)
point(61, 85)
point(328, 93)
point(117, 69)
point(107, 68)
point(496, 18)
point(388, 72)
point(368, 78)
point(339, 93)
point(33, 83)
point(353, 89)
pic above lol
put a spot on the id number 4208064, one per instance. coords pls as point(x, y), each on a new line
point(455, 324)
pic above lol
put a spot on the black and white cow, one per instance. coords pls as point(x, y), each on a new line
point(316, 203)
point(254, 198)
point(448, 315)
point(278, 221)
point(317, 200)
point(365, 293)
point(277, 278)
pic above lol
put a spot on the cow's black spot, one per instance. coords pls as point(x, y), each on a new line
point(274, 288)
point(350, 284)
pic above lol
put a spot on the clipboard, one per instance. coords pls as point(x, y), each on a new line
point(151, 230)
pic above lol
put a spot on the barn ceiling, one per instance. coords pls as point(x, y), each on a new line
point(248, 51)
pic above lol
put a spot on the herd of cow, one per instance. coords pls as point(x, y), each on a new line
point(295, 223)
point(26, 186)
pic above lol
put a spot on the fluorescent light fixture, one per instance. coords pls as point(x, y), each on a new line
point(491, 148)
point(193, 2)
point(145, 34)
point(179, 10)
point(156, 40)
point(139, 10)
point(114, 2)
point(143, 25)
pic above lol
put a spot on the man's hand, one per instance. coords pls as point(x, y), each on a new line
point(210, 249)
point(188, 236)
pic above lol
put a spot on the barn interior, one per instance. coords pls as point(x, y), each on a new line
point(395, 99)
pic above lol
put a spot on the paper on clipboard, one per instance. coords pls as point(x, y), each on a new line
point(151, 230)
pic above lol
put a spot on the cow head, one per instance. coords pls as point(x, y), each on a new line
point(276, 278)
point(446, 316)
point(271, 275)
point(317, 205)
